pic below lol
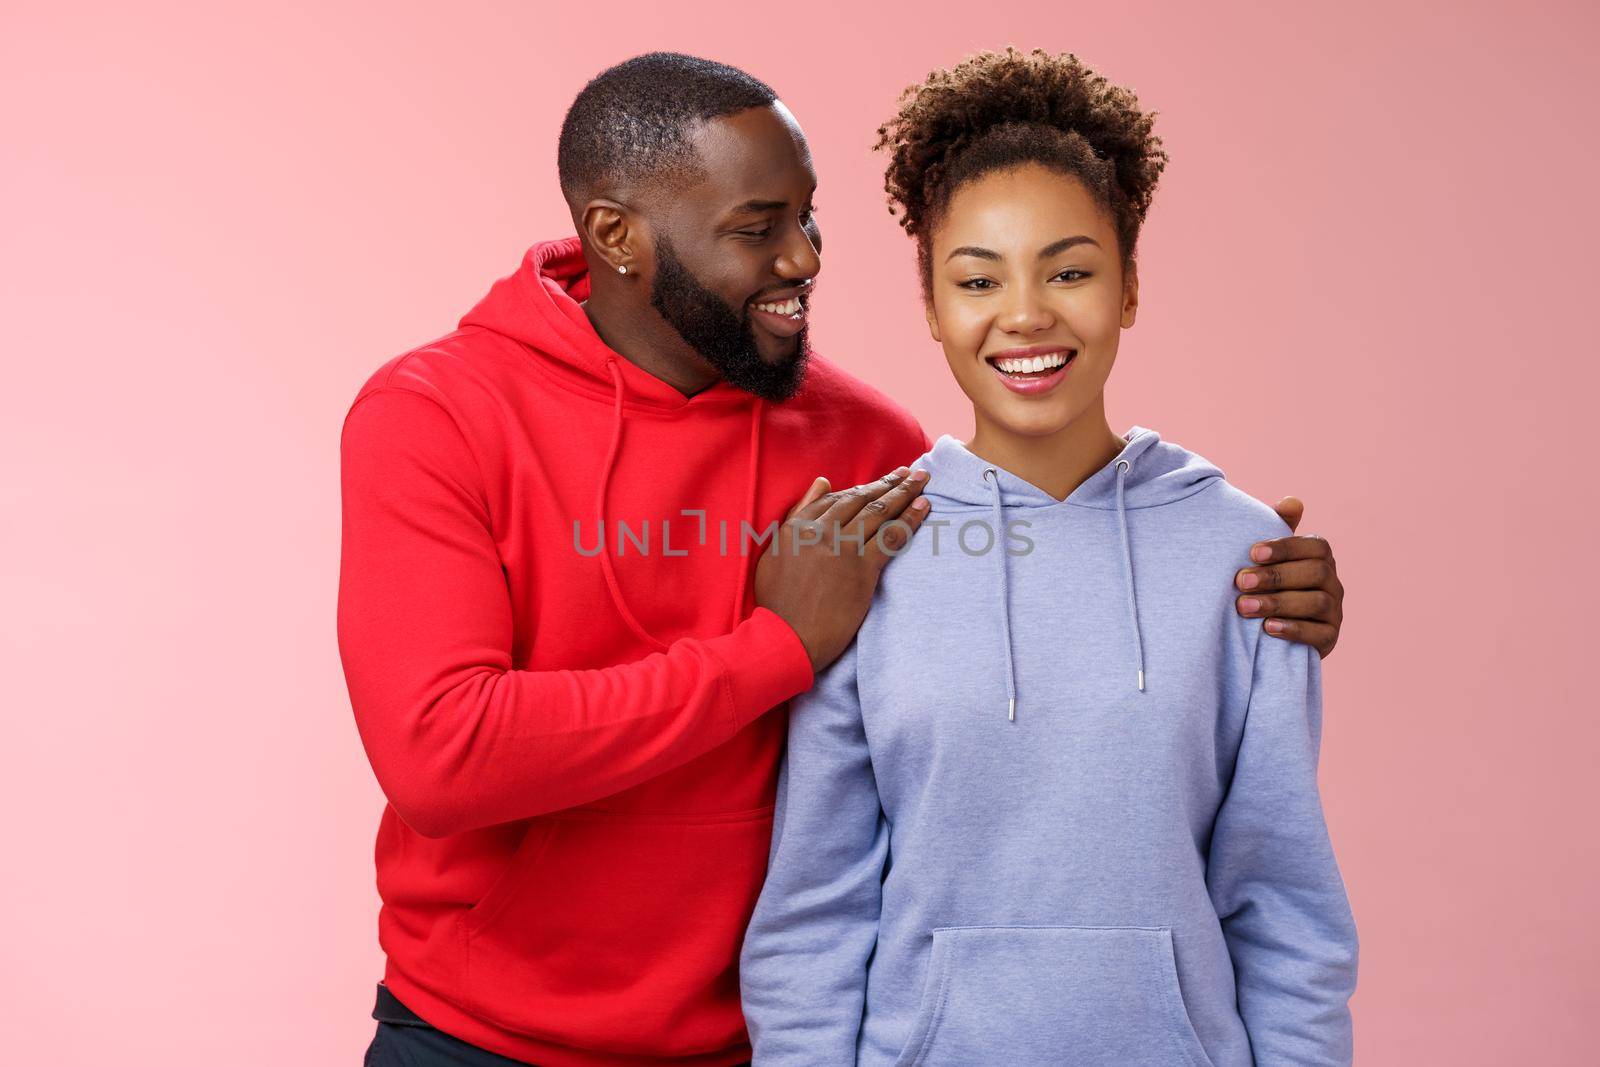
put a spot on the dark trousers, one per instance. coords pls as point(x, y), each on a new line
point(405, 1039)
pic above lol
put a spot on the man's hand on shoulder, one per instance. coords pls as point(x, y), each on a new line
point(1295, 585)
point(824, 562)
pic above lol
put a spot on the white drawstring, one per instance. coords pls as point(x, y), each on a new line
point(992, 476)
point(1127, 570)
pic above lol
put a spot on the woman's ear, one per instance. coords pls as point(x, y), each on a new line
point(1130, 295)
point(933, 320)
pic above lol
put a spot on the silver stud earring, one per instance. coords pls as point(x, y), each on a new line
point(622, 269)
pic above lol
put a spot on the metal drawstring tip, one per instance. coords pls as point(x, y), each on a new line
point(1011, 713)
point(1141, 681)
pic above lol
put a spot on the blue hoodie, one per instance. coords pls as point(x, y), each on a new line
point(1057, 804)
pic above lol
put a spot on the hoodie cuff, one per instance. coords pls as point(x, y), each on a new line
point(765, 663)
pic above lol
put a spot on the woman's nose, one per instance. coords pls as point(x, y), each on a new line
point(1024, 312)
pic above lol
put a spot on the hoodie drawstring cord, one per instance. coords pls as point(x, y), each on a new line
point(1127, 570)
point(992, 476)
point(619, 392)
point(606, 567)
point(749, 508)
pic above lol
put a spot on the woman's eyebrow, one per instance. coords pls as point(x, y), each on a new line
point(1051, 249)
point(1065, 243)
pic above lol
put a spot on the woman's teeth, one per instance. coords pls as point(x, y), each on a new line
point(1034, 364)
point(790, 306)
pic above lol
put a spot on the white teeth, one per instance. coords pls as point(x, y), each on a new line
point(1032, 364)
point(790, 306)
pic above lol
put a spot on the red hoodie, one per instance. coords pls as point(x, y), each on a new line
point(575, 747)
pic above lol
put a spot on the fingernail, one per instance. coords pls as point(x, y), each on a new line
point(1261, 553)
point(1249, 603)
point(920, 504)
point(1249, 580)
point(919, 475)
point(1275, 626)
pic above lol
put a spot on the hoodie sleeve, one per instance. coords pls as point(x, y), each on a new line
point(1273, 876)
point(803, 969)
point(457, 738)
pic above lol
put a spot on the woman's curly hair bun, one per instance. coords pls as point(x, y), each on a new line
point(1001, 109)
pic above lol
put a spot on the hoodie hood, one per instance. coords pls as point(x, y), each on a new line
point(1157, 472)
point(1147, 473)
point(540, 306)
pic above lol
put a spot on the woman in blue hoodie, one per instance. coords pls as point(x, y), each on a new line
point(1058, 802)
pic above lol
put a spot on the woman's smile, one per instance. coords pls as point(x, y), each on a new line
point(1033, 370)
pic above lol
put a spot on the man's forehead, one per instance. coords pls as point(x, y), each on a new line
point(759, 153)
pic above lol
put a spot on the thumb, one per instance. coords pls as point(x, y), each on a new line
point(819, 485)
point(1291, 510)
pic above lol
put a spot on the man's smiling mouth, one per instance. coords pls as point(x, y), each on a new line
point(782, 313)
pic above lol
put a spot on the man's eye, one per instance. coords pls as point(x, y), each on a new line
point(757, 234)
point(808, 216)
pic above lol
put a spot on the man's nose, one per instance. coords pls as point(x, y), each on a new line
point(800, 260)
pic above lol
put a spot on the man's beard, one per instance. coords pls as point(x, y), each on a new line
point(727, 341)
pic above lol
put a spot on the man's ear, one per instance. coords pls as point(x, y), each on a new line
point(1130, 295)
point(933, 320)
point(616, 236)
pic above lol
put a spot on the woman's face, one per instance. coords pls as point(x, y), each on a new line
point(1027, 274)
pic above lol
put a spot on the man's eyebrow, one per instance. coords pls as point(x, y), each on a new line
point(760, 205)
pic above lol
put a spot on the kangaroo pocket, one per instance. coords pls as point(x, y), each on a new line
point(1081, 995)
point(619, 931)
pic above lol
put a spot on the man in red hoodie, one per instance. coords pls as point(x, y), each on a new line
point(567, 641)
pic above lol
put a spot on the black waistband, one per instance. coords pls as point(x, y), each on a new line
point(388, 1009)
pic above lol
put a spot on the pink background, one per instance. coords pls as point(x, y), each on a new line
point(1367, 281)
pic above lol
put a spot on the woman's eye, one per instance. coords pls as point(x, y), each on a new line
point(1080, 274)
point(976, 283)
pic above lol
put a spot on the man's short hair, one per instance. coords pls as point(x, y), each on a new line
point(632, 121)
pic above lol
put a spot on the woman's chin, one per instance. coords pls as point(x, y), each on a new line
point(1024, 418)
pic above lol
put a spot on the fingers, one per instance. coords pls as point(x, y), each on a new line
point(1299, 574)
point(892, 536)
point(839, 509)
point(1316, 606)
point(819, 486)
point(874, 514)
point(1290, 509)
point(1309, 546)
point(853, 517)
point(818, 506)
point(1319, 636)
point(1302, 599)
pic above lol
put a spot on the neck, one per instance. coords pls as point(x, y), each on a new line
point(1058, 462)
point(643, 338)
